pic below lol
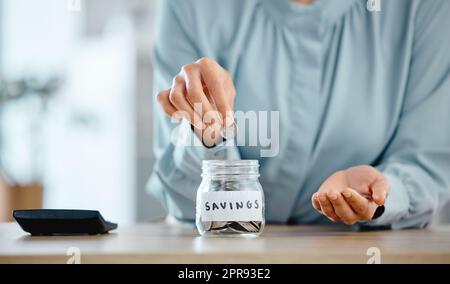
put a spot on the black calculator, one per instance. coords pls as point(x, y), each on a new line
point(60, 222)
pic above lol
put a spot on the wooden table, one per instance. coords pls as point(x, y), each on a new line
point(169, 243)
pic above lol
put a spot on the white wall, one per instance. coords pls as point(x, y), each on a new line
point(90, 146)
point(37, 35)
point(87, 148)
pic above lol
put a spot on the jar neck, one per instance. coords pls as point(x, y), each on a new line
point(226, 169)
point(237, 177)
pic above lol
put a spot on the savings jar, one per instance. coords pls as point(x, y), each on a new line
point(230, 199)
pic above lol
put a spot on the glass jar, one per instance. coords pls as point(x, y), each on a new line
point(230, 199)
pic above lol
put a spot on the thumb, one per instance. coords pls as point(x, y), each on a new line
point(380, 190)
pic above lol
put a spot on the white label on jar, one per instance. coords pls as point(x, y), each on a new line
point(231, 206)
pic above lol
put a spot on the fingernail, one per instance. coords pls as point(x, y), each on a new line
point(378, 200)
point(332, 196)
point(347, 194)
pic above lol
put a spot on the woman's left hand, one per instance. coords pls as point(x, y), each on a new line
point(351, 195)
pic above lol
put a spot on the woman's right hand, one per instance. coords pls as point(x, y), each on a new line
point(202, 93)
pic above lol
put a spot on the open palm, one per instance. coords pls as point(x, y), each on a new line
point(351, 195)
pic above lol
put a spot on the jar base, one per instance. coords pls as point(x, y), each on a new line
point(230, 235)
point(231, 228)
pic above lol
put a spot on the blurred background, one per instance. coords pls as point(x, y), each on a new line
point(76, 107)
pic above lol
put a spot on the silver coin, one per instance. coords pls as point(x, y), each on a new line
point(206, 225)
point(244, 227)
point(256, 225)
point(218, 226)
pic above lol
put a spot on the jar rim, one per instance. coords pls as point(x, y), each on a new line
point(237, 168)
point(230, 163)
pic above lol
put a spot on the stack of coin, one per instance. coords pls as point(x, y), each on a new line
point(233, 227)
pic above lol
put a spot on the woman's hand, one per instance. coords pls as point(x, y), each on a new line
point(351, 195)
point(202, 93)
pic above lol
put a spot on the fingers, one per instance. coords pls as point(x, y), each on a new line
point(358, 203)
point(204, 92)
point(230, 90)
point(196, 96)
point(169, 109)
point(327, 207)
point(177, 98)
point(338, 199)
point(315, 202)
point(215, 78)
point(380, 189)
point(341, 208)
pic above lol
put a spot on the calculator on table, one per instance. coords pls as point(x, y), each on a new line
point(57, 222)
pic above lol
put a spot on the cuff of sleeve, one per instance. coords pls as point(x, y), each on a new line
point(396, 206)
point(190, 152)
